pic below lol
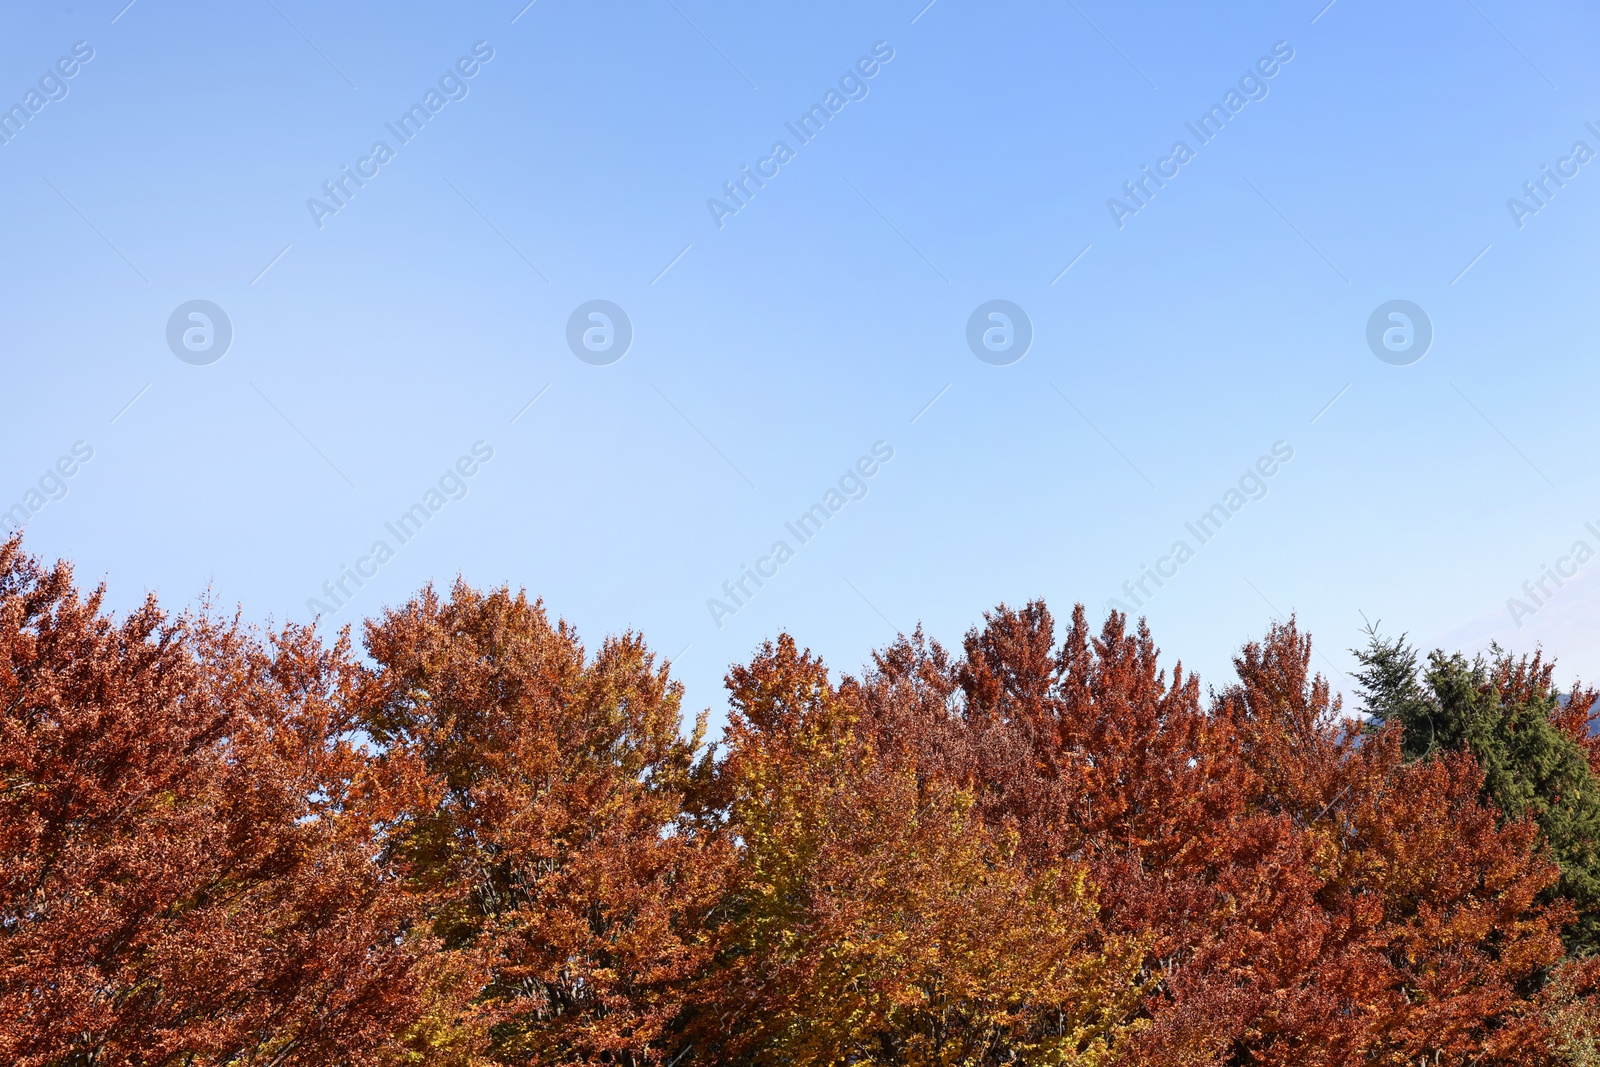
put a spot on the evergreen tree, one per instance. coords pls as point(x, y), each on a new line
point(1503, 710)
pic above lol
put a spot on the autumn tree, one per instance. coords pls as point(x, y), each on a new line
point(1434, 925)
point(181, 878)
point(223, 847)
point(534, 806)
point(875, 918)
point(1246, 840)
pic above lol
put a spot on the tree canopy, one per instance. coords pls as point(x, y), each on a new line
point(471, 840)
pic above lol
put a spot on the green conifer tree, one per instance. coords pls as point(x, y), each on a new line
point(1502, 709)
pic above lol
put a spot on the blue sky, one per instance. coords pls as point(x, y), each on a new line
point(772, 348)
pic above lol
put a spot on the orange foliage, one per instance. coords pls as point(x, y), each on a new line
point(875, 919)
point(541, 824)
point(1310, 898)
point(181, 880)
point(487, 845)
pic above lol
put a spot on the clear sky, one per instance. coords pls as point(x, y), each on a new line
point(1185, 312)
